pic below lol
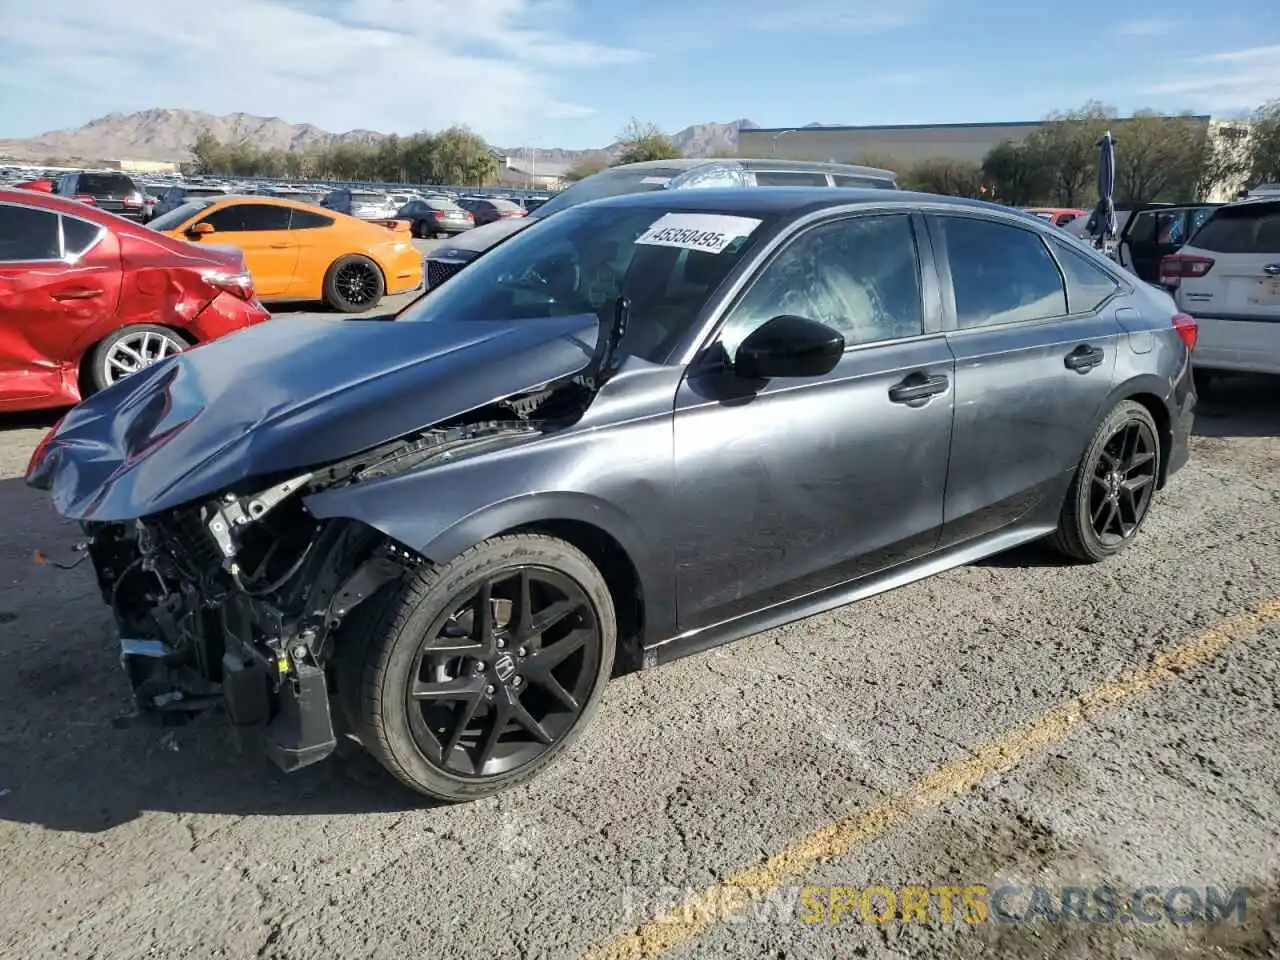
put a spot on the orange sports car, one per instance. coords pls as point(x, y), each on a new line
point(297, 251)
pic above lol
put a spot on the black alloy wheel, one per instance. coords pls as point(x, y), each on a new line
point(353, 284)
point(1114, 485)
point(1123, 481)
point(504, 675)
point(466, 679)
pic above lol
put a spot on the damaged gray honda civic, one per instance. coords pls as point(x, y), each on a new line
point(643, 427)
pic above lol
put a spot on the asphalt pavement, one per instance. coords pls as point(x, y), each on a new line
point(1016, 723)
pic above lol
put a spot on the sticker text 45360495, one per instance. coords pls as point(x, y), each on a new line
point(710, 232)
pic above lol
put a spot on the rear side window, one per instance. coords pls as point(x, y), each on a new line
point(28, 234)
point(78, 236)
point(1248, 228)
point(790, 178)
point(847, 180)
point(1144, 228)
point(1001, 273)
point(241, 217)
point(1089, 286)
point(308, 220)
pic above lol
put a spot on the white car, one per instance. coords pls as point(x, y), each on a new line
point(1227, 276)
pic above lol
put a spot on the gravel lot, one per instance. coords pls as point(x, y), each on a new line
point(143, 843)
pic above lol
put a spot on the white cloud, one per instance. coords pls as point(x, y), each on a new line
point(858, 17)
point(1224, 82)
point(391, 65)
point(1144, 28)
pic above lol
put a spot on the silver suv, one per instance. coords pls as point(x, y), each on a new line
point(649, 175)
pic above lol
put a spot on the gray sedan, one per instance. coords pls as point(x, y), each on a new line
point(650, 425)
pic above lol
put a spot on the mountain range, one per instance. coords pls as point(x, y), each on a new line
point(167, 134)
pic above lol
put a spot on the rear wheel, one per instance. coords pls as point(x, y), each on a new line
point(353, 284)
point(468, 679)
point(128, 350)
point(1112, 490)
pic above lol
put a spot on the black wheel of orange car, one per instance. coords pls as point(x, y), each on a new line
point(353, 284)
point(469, 678)
point(128, 350)
point(1111, 493)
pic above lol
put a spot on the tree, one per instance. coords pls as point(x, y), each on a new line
point(586, 165)
point(952, 178)
point(644, 141)
point(208, 154)
point(1066, 149)
point(1263, 154)
point(1015, 173)
point(1161, 158)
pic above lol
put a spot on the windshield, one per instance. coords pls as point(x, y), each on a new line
point(668, 263)
point(178, 215)
point(610, 183)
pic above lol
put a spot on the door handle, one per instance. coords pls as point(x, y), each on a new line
point(281, 246)
point(918, 386)
point(82, 293)
point(1083, 358)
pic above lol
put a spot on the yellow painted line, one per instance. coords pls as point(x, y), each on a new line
point(700, 913)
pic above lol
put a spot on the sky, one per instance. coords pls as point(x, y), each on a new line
point(573, 73)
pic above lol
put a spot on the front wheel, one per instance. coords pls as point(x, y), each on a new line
point(467, 679)
point(353, 284)
point(1112, 490)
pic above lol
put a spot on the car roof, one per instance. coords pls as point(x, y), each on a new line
point(755, 163)
point(790, 200)
point(263, 198)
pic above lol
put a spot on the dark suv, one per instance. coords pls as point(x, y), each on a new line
point(108, 190)
point(656, 175)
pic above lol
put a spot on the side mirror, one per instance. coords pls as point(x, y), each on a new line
point(789, 346)
point(200, 229)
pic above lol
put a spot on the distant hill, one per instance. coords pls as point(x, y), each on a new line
point(164, 134)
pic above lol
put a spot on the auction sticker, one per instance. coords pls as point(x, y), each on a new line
point(711, 232)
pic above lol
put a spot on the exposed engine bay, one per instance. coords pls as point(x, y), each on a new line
point(237, 602)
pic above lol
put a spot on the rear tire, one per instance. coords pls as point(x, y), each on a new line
point(424, 690)
point(1112, 490)
point(137, 345)
point(353, 284)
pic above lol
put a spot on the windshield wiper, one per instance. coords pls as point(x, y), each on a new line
point(607, 348)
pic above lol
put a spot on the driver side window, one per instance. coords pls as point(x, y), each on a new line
point(860, 276)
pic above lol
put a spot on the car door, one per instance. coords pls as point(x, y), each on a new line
point(59, 280)
point(1034, 368)
point(261, 230)
point(792, 485)
point(310, 232)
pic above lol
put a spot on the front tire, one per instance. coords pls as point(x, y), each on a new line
point(353, 284)
point(467, 679)
point(1111, 493)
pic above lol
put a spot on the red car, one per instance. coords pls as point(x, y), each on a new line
point(86, 298)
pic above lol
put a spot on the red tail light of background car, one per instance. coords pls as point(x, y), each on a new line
point(1187, 329)
point(237, 284)
point(1178, 265)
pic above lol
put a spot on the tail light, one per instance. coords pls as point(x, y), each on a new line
point(84, 198)
point(1187, 329)
point(237, 284)
point(1176, 266)
point(438, 214)
point(133, 200)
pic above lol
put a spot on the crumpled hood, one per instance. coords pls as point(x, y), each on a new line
point(286, 396)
